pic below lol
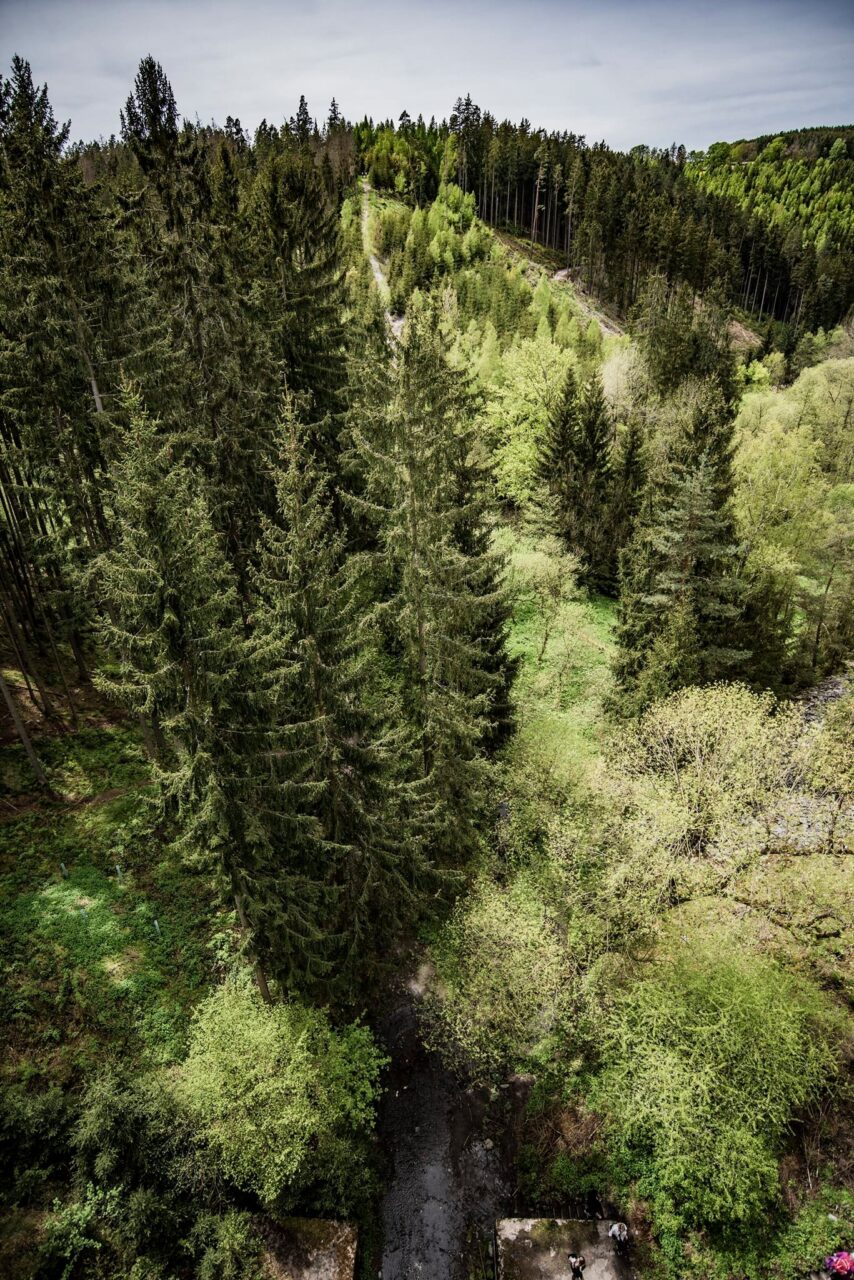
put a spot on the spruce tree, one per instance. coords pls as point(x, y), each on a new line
point(311, 643)
point(299, 292)
point(440, 590)
point(220, 398)
point(173, 622)
point(574, 469)
point(65, 326)
point(680, 596)
point(628, 470)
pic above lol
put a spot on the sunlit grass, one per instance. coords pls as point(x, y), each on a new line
point(106, 935)
point(564, 673)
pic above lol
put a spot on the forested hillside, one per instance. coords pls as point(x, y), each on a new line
point(614, 217)
point(801, 186)
point(389, 633)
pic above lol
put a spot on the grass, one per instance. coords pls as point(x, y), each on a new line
point(564, 673)
point(86, 971)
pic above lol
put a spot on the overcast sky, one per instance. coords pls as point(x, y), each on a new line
point(627, 71)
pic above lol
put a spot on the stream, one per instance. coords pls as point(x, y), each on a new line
point(448, 1174)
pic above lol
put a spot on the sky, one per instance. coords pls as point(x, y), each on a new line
point(626, 71)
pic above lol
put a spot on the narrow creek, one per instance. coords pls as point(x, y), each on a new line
point(448, 1159)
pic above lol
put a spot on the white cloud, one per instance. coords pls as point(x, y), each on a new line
point(620, 70)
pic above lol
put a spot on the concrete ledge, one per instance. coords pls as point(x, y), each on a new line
point(539, 1248)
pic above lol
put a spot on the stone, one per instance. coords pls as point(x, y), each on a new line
point(538, 1249)
point(309, 1249)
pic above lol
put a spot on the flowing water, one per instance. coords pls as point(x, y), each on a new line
point(448, 1159)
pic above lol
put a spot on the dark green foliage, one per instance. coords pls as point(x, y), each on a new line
point(680, 597)
point(175, 624)
point(317, 659)
point(34, 1141)
point(425, 490)
point(574, 468)
point(682, 337)
point(303, 612)
point(148, 1193)
point(797, 187)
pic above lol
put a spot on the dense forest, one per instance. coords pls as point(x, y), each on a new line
point(774, 231)
point(422, 548)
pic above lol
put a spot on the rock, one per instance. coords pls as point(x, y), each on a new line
point(309, 1249)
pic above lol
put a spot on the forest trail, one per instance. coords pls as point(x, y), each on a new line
point(447, 1182)
point(588, 309)
point(395, 323)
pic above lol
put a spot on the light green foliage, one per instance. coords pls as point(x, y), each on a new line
point(528, 387)
point(794, 510)
point(801, 906)
point(391, 227)
point(541, 301)
point(780, 492)
point(283, 1100)
point(503, 981)
point(827, 760)
point(706, 1061)
point(784, 184)
point(227, 1247)
point(706, 761)
point(563, 642)
point(83, 966)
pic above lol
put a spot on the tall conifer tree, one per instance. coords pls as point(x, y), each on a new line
point(312, 645)
point(173, 621)
point(440, 578)
point(574, 469)
point(680, 597)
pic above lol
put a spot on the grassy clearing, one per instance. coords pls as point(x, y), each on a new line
point(564, 676)
point(85, 969)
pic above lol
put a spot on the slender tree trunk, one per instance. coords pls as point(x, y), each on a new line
point(21, 730)
point(260, 975)
point(821, 613)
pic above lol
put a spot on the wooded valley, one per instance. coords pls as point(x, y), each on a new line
point(427, 578)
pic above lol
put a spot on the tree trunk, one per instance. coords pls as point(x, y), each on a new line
point(260, 975)
point(21, 731)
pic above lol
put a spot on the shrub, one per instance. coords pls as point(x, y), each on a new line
point(285, 1101)
point(708, 759)
point(227, 1247)
point(503, 981)
point(706, 1063)
point(33, 1139)
point(131, 1134)
point(827, 761)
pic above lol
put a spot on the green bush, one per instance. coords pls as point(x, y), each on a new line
point(503, 982)
point(284, 1101)
point(706, 1063)
point(227, 1247)
point(708, 759)
point(34, 1144)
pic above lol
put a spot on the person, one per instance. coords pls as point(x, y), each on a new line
point(619, 1233)
point(577, 1263)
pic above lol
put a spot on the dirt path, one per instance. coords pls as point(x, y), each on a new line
point(395, 323)
point(588, 309)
